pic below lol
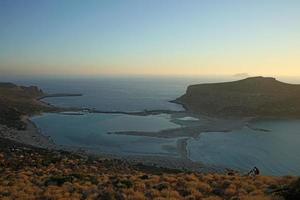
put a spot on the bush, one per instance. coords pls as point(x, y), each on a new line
point(58, 180)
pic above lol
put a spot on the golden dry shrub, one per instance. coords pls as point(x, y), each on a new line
point(195, 195)
point(208, 178)
point(139, 186)
point(136, 196)
point(191, 177)
point(242, 192)
point(215, 184)
point(165, 193)
point(153, 193)
point(155, 179)
point(170, 179)
point(160, 198)
point(230, 190)
point(248, 187)
point(76, 196)
point(213, 198)
point(256, 192)
point(93, 196)
point(67, 186)
point(265, 180)
point(174, 195)
point(204, 187)
point(191, 184)
point(260, 197)
point(128, 192)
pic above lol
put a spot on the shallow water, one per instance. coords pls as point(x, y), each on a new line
point(275, 153)
point(90, 131)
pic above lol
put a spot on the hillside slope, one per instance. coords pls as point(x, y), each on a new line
point(32, 173)
point(16, 101)
point(256, 96)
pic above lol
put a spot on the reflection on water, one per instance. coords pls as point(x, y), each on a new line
point(276, 152)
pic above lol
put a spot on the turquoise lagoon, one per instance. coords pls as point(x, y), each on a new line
point(274, 152)
point(94, 132)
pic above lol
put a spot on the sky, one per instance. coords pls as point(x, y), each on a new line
point(149, 37)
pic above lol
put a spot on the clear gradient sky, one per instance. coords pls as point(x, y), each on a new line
point(149, 37)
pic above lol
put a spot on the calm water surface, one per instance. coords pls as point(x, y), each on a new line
point(119, 94)
point(90, 131)
point(276, 152)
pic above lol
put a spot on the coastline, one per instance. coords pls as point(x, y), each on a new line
point(36, 138)
point(177, 159)
point(31, 136)
point(81, 169)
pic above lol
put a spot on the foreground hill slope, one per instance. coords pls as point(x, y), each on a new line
point(256, 96)
point(32, 173)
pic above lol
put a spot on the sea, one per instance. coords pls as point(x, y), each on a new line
point(276, 152)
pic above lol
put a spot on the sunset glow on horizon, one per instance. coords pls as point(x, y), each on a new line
point(139, 37)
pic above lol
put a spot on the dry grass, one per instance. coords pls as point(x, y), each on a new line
point(76, 178)
point(31, 173)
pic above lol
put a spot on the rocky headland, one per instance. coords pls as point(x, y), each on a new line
point(17, 105)
point(250, 97)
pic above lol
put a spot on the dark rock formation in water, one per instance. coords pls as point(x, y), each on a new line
point(256, 96)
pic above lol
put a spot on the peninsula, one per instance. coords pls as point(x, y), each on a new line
point(16, 101)
point(250, 97)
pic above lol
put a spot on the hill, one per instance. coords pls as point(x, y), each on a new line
point(32, 173)
point(16, 101)
point(256, 96)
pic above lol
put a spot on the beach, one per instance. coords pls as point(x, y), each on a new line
point(31, 136)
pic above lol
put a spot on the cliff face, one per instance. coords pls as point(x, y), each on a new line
point(257, 96)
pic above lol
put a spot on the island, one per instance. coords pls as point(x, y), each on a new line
point(250, 97)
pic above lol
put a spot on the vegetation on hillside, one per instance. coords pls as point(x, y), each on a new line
point(32, 173)
point(257, 96)
point(16, 101)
